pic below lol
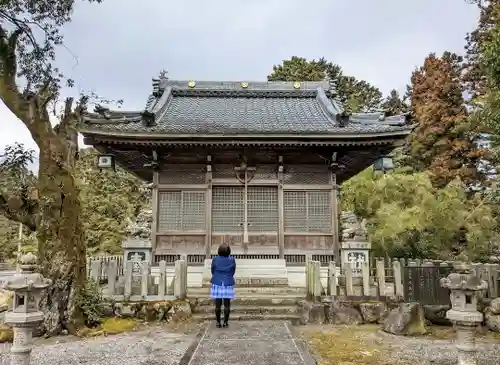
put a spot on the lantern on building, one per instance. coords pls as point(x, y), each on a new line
point(106, 162)
point(383, 164)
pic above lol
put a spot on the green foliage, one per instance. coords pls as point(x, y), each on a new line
point(299, 69)
point(92, 303)
point(355, 95)
point(407, 216)
point(8, 238)
point(487, 48)
point(35, 25)
point(393, 104)
point(17, 184)
point(109, 200)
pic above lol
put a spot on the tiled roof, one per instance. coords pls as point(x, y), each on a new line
point(230, 108)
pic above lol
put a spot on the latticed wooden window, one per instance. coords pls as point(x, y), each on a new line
point(307, 211)
point(181, 211)
point(227, 209)
point(262, 205)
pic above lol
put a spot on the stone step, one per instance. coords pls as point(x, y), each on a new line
point(257, 281)
point(253, 290)
point(294, 318)
point(252, 309)
point(270, 300)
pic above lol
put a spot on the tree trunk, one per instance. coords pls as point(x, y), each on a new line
point(61, 247)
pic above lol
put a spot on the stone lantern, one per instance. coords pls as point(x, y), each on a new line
point(28, 287)
point(465, 290)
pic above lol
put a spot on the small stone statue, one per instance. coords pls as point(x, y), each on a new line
point(141, 227)
point(352, 227)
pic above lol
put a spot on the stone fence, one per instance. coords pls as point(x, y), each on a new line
point(137, 282)
point(409, 281)
point(349, 282)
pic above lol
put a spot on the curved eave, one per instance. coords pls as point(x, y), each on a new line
point(135, 137)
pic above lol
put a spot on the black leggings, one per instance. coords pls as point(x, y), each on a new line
point(219, 301)
point(218, 304)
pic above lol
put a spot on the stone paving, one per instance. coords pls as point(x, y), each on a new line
point(248, 343)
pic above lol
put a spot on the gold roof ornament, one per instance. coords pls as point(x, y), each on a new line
point(192, 84)
point(244, 85)
point(296, 85)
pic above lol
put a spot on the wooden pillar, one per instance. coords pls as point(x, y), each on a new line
point(154, 223)
point(208, 208)
point(335, 217)
point(281, 211)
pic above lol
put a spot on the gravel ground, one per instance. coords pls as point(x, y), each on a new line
point(153, 346)
point(425, 351)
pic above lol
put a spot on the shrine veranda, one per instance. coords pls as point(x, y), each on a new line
point(256, 165)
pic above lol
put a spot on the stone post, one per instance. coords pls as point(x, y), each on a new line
point(465, 290)
point(180, 279)
point(25, 315)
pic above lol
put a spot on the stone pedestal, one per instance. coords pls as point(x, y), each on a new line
point(465, 290)
point(22, 326)
point(355, 247)
point(354, 253)
point(137, 250)
point(25, 315)
point(466, 342)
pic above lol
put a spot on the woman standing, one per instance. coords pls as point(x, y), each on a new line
point(222, 291)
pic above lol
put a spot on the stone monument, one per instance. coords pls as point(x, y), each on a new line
point(137, 246)
point(466, 289)
point(25, 315)
point(355, 247)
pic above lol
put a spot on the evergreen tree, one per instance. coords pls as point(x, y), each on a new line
point(355, 95)
point(394, 104)
point(474, 70)
point(109, 200)
point(443, 141)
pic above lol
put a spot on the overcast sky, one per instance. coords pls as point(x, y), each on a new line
point(122, 44)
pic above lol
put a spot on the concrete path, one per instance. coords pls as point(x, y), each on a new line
point(248, 343)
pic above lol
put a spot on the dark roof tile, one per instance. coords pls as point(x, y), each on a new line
point(227, 108)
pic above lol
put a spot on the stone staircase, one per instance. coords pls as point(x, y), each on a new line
point(262, 292)
point(253, 303)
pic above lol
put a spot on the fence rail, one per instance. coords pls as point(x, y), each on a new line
point(137, 284)
point(410, 281)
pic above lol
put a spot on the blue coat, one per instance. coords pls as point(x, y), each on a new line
point(223, 269)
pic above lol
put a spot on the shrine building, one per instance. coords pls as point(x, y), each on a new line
point(254, 164)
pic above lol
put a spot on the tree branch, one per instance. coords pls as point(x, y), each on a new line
point(26, 107)
point(66, 129)
point(19, 209)
point(8, 86)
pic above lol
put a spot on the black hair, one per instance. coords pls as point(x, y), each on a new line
point(224, 250)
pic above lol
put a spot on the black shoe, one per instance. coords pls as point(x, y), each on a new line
point(225, 325)
point(218, 325)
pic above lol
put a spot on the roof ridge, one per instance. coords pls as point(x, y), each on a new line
point(243, 85)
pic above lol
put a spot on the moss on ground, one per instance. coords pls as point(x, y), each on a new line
point(110, 326)
point(449, 333)
point(345, 345)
